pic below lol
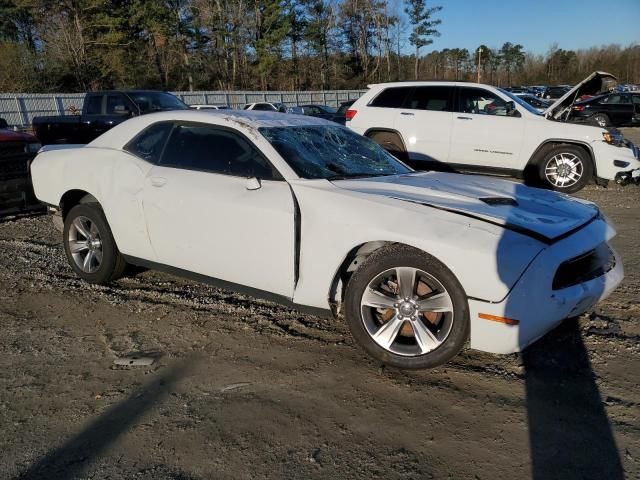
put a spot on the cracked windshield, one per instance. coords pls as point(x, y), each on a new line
point(332, 153)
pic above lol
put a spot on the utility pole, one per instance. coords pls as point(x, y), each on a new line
point(479, 62)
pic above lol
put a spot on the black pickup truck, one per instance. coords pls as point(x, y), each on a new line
point(17, 150)
point(100, 112)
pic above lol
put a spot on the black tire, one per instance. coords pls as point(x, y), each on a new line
point(600, 120)
point(550, 156)
point(377, 264)
point(112, 264)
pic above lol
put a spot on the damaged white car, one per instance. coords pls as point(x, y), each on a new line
point(305, 212)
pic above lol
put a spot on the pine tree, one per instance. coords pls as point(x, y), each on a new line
point(420, 17)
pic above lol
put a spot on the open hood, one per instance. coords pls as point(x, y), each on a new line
point(594, 84)
point(538, 213)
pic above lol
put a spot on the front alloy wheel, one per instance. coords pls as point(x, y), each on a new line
point(406, 309)
point(566, 168)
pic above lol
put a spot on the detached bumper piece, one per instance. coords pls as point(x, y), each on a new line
point(17, 197)
point(16, 189)
point(628, 177)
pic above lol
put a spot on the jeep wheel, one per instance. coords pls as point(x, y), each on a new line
point(565, 169)
point(601, 120)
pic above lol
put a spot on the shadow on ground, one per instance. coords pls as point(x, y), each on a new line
point(569, 432)
point(73, 457)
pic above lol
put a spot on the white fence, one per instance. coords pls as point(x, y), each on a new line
point(18, 109)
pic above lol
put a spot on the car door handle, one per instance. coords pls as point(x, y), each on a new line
point(464, 118)
point(158, 181)
point(406, 113)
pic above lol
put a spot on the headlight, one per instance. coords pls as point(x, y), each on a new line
point(32, 147)
point(616, 139)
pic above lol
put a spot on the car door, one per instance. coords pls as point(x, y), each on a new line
point(635, 99)
point(92, 114)
point(204, 215)
point(118, 108)
point(486, 133)
point(425, 121)
point(619, 108)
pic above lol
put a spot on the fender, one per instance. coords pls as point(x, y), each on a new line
point(387, 130)
point(570, 142)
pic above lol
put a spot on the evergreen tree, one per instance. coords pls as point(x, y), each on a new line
point(420, 17)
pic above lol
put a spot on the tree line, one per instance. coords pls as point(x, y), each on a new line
point(77, 45)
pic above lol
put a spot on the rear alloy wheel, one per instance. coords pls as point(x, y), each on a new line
point(566, 169)
point(406, 309)
point(601, 120)
point(89, 245)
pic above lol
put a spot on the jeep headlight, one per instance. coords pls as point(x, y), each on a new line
point(613, 138)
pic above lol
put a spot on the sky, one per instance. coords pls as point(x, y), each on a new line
point(536, 24)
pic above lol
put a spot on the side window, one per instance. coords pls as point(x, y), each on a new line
point(149, 143)
point(391, 97)
point(436, 99)
point(94, 105)
point(117, 105)
point(481, 102)
point(613, 99)
point(211, 149)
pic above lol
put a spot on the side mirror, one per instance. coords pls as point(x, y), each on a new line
point(253, 183)
point(3, 123)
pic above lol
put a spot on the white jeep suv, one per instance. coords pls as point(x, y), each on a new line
point(460, 126)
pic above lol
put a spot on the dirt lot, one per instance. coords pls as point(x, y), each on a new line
point(247, 389)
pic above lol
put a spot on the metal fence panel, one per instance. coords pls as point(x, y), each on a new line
point(18, 109)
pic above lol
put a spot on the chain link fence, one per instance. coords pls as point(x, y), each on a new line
point(18, 109)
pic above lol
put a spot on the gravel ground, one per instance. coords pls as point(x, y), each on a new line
point(242, 388)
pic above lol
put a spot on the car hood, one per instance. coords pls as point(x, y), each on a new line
point(7, 135)
point(541, 214)
point(594, 84)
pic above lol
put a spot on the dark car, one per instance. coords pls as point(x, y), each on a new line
point(17, 150)
point(537, 103)
point(320, 111)
point(613, 109)
point(554, 93)
point(515, 90)
point(102, 111)
point(340, 116)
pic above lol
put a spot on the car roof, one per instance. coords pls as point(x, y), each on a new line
point(424, 83)
point(245, 120)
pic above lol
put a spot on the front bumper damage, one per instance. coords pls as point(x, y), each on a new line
point(536, 304)
point(629, 177)
point(17, 197)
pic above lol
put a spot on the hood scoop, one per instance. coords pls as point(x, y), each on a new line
point(499, 201)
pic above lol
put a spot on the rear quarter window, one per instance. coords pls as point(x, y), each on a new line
point(393, 97)
point(149, 143)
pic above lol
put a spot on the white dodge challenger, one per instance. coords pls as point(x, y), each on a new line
point(305, 212)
